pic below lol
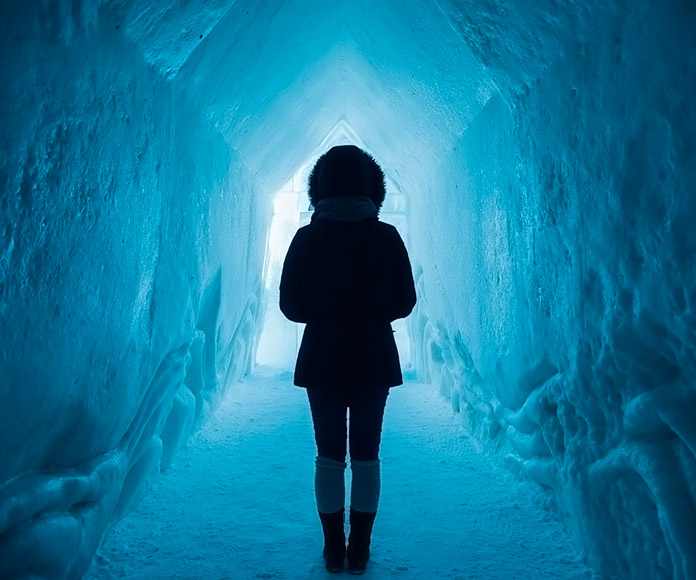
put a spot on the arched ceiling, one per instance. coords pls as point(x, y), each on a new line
point(408, 77)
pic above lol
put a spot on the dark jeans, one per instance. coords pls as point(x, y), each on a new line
point(329, 407)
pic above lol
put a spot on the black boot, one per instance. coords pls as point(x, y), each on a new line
point(359, 541)
point(334, 540)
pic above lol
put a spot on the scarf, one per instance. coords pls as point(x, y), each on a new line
point(349, 208)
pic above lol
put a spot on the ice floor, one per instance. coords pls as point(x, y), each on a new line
point(238, 503)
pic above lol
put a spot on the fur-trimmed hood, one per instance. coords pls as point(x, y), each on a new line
point(346, 170)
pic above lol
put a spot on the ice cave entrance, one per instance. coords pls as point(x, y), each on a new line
point(279, 339)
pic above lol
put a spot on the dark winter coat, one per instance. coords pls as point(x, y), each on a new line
point(348, 281)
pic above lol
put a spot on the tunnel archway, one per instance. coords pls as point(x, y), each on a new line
point(546, 150)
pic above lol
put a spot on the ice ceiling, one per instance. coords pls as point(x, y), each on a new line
point(308, 65)
point(545, 153)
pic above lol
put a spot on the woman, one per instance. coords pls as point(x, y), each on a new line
point(347, 275)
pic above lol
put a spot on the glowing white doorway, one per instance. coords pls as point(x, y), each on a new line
point(279, 339)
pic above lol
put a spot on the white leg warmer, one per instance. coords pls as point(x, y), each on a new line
point(364, 494)
point(329, 485)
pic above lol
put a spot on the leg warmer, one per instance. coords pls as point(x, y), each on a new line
point(364, 494)
point(329, 485)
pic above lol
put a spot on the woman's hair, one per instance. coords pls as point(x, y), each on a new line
point(346, 170)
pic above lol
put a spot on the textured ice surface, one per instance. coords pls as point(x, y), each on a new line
point(130, 269)
point(570, 339)
point(543, 151)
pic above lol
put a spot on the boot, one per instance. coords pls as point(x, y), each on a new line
point(334, 540)
point(359, 540)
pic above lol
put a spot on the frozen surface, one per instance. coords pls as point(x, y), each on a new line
point(239, 502)
point(541, 157)
point(130, 257)
point(565, 224)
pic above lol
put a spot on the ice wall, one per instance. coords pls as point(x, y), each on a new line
point(130, 254)
point(558, 287)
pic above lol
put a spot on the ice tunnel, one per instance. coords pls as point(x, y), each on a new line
point(542, 151)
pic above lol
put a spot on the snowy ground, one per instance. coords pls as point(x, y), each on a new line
point(239, 504)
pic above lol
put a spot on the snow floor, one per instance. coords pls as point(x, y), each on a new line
point(239, 504)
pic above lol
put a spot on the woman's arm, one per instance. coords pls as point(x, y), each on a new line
point(404, 292)
point(294, 303)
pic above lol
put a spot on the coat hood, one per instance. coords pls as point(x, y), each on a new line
point(346, 170)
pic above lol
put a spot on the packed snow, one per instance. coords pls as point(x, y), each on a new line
point(239, 501)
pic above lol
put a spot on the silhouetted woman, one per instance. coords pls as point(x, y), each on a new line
point(348, 276)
